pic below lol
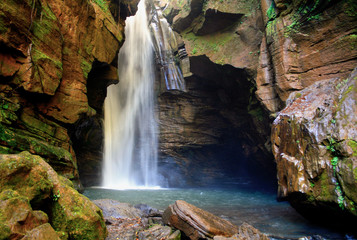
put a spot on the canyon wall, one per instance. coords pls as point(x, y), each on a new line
point(293, 58)
point(56, 60)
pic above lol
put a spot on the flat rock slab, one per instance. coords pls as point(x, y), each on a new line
point(197, 223)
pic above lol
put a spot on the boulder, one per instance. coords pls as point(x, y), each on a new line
point(39, 187)
point(314, 144)
point(197, 223)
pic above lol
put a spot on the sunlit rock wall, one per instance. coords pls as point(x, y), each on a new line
point(47, 52)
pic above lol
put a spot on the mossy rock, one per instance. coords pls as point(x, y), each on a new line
point(24, 173)
point(38, 185)
point(77, 215)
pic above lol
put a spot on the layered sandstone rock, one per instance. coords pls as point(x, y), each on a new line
point(47, 52)
point(314, 143)
point(197, 223)
point(305, 43)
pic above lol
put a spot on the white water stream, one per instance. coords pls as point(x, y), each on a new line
point(130, 152)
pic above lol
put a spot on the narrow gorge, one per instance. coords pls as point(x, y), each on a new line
point(214, 98)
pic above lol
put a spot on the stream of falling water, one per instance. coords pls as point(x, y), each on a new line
point(130, 147)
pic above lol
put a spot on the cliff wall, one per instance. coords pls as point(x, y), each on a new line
point(296, 58)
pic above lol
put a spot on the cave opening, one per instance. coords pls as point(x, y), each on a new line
point(216, 133)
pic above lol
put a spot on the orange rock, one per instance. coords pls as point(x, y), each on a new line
point(197, 223)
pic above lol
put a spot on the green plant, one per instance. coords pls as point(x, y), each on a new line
point(194, 51)
point(55, 197)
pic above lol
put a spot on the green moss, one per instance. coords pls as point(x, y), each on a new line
point(351, 8)
point(47, 11)
point(3, 27)
point(5, 231)
point(213, 43)
point(86, 67)
point(324, 185)
point(37, 55)
point(353, 145)
point(103, 4)
point(7, 136)
point(257, 113)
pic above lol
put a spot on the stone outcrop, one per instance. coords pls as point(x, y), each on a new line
point(314, 143)
point(304, 42)
point(195, 222)
point(37, 202)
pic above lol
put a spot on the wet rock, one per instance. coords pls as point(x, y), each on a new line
point(314, 145)
point(38, 186)
point(195, 222)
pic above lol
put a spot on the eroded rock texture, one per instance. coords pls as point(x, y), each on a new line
point(314, 141)
point(48, 49)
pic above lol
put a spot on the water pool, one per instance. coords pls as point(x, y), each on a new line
point(258, 208)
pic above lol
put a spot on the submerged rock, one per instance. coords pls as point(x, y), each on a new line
point(197, 223)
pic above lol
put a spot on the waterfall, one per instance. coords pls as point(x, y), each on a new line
point(165, 46)
point(130, 129)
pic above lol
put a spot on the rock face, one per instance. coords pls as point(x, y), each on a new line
point(305, 42)
point(48, 49)
point(37, 202)
point(314, 141)
point(282, 47)
point(218, 122)
point(195, 222)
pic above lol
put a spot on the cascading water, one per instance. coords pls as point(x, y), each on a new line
point(130, 152)
point(165, 44)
